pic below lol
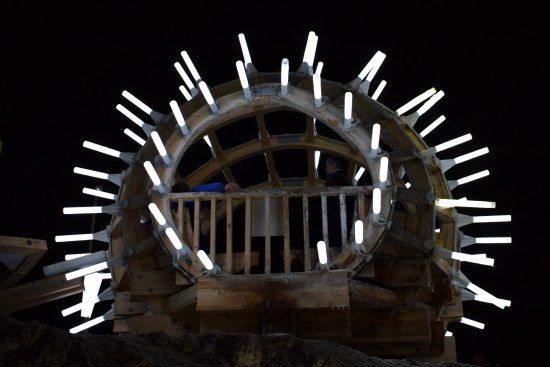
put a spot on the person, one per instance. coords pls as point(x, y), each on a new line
point(335, 176)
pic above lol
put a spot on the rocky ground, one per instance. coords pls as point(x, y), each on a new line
point(35, 344)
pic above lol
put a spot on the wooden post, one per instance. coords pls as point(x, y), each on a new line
point(267, 236)
point(213, 229)
point(361, 203)
point(305, 216)
point(325, 219)
point(180, 217)
point(247, 234)
point(196, 225)
point(286, 234)
point(343, 219)
point(229, 235)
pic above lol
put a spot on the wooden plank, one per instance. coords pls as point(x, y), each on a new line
point(401, 273)
point(180, 218)
point(311, 171)
point(180, 279)
point(248, 322)
point(270, 162)
point(182, 300)
point(39, 292)
point(390, 325)
point(267, 235)
point(148, 283)
point(28, 251)
point(319, 290)
point(323, 324)
point(372, 295)
point(238, 260)
point(361, 202)
point(124, 306)
point(212, 254)
point(305, 219)
point(196, 224)
point(229, 236)
point(343, 219)
point(286, 229)
point(219, 155)
point(351, 171)
point(325, 219)
point(247, 234)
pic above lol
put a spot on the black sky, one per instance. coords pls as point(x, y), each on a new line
point(64, 70)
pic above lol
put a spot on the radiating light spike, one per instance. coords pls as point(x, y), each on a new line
point(317, 90)
point(452, 143)
point(284, 77)
point(179, 117)
point(85, 271)
point(473, 323)
point(135, 137)
point(474, 154)
point(375, 141)
point(317, 157)
point(322, 252)
point(451, 203)
point(492, 218)
point(430, 103)
point(358, 229)
point(208, 97)
point(376, 65)
point(244, 48)
point(139, 104)
point(190, 66)
point(75, 237)
point(432, 126)
point(185, 93)
point(203, 257)
point(359, 173)
point(243, 79)
point(101, 149)
point(99, 193)
point(415, 101)
point(384, 163)
point(160, 147)
point(185, 77)
point(379, 90)
point(378, 58)
point(130, 115)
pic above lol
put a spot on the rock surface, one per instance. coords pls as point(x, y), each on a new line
point(35, 344)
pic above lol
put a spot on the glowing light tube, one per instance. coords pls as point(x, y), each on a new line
point(70, 310)
point(475, 154)
point(85, 271)
point(160, 147)
point(448, 333)
point(154, 177)
point(359, 173)
point(99, 193)
point(379, 90)
point(179, 117)
point(185, 93)
point(135, 137)
point(311, 45)
point(101, 149)
point(173, 237)
point(244, 48)
point(319, 68)
point(348, 101)
point(358, 229)
point(451, 203)
point(153, 208)
point(432, 126)
point(453, 142)
point(190, 66)
point(284, 77)
point(74, 256)
point(89, 172)
point(208, 97)
point(377, 59)
point(75, 237)
point(317, 90)
point(473, 323)
point(130, 115)
point(492, 218)
point(384, 162)
point(322, 252)
point(83, 210)
point(408, 185)
point(493, 240)
point(375, 141)
point(476, 259)
point(376, 203)
point(317, 156)
point(87, 325)
point(185, 77)
point(430, 103)
point(473, 177)
point(142, 106)
point(415, 101)
point(205, 260)
point(243, 79)
point(207, 140)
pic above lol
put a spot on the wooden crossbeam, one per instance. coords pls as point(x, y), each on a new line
point(153, 282)
point(219, 154)
point(372, 295)
point(182, 300)
point(264, 138)
point(319, 290)
point(28, 250)
point(400, 273)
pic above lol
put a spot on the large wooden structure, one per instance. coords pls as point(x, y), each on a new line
point(388, 295)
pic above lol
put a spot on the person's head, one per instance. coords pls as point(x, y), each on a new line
point(333, 164)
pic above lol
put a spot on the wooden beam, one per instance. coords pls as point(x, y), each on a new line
point(247, 234)
point(270, 162)
point(39, 292)
point(401, 273)
point(286, 230)
point(305, 220)
point(324, 290)
point(219, 154)
point(323, 324)
point(149, 283)
point(125, 306)
point(182, 300)
point(229, 236)
point(25, 254)
point(212, 229)
point(343, 219)
point(247, 322)
point(325, 219)
point(267, 235)
point(196, 224)
point(372, 295)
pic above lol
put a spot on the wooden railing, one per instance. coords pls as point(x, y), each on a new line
point(223, 205)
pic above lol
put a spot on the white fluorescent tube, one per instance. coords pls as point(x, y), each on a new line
point(415, 101)
point(101, 149)
point(207, 140)
point(173, 237)
point(134, 136)
point(317, 156)
point(208, 97)
point(358, 227)
point(185, 93)
point(322, 252)
point(348, 101)
point(75, 237)
point(157, 214)
point(376, 201)
point(89, 172)
point(246, 53)
point(432, 126)
point(473, 177)
point(83, 210)
point(152, 173)
point(87, 325)
point(190, 66)
point(375, 137)
point(453, 142)
point(142, 106)
point(99, 193)
point(317, 90)
point(205, 260)
point(379, 90)
point(243, 79)
point(85, 271)
point(492, 218)
point(160, 147)
point(473, 323)
point(376, 65)
point(378, 58)
point(359, 173)
point(451, 203)
point(184, 76)
point(74, 256)
point(284, 77)
point(471, 155)
point(179, 117)
point(429, 104)
point(130, 115)
point(384, 162)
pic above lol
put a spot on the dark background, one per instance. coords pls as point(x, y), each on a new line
point(64, 69)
